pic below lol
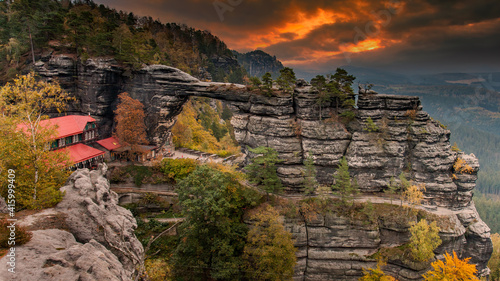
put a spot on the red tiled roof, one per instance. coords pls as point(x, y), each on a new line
point(110, 143)
point(80, 152)
point(66, 125)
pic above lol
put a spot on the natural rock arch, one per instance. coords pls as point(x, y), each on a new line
point(408, 139)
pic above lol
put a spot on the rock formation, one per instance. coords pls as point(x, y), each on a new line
point(92, 239)
point(337, 248)
point(403, 138)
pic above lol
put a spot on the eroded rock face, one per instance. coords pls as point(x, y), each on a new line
point(404, 138)
point(336, 248)
point(92, 213)
point(54, 254)
point(87, 236)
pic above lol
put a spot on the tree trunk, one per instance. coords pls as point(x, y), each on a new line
point(31, 42)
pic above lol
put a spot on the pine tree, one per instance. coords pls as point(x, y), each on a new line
point(286, 80)
point(343, 185)
point(267, 82)
point(324, 96)
point(263, 172)
point(310, 182)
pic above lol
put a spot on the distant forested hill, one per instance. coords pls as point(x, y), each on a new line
point(31, 29)
point(258, 62)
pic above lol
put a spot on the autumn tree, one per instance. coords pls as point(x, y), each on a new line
point(129, 119)
point(424, 240)
point(263, 171)
point(39, 172)
point(413, 196)
point(452, 268)
point(376, 274)
point(269, 253)
point(344, 186)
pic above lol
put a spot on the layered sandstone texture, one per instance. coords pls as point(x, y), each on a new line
point(87, 236)
point(388, 135)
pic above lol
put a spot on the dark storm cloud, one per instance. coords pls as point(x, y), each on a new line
point(392, 33)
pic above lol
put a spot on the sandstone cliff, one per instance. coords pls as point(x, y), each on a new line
point(87, 236)
point(407, 140)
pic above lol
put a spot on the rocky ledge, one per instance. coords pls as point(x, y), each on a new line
point(338, 248)
point(87, 236)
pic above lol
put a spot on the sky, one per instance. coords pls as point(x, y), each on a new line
point(405, 36)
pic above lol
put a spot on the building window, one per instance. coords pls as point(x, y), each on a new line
point(54, 144)
point(68, 140)
point(61, 142)
point(80, 137)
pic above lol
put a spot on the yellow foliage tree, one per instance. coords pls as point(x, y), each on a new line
point(453, 269)
point(24, 147)
point(461, 166)
point(376, 274)
point(413, 195)
point(424, 240)
point(269, 253)
point(189, 132)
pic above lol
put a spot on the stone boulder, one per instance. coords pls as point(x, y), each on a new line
point(54, 254)
point(93, 214)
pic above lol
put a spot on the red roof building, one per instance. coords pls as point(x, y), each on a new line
point(109, 143)
point(79, 153)
point(70, 125)
point(73, 132)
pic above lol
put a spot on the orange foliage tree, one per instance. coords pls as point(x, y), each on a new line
point(129, 119)
point(452, 269)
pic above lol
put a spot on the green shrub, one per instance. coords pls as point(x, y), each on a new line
point(370, 125)
point(139, 173)
point(177, 169)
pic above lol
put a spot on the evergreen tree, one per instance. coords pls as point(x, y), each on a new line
point(255, 82)
point(324, 95)
point(267, 82)
point(343, 185)
point(310, 182)
point(262, 170)
point(286, 80)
